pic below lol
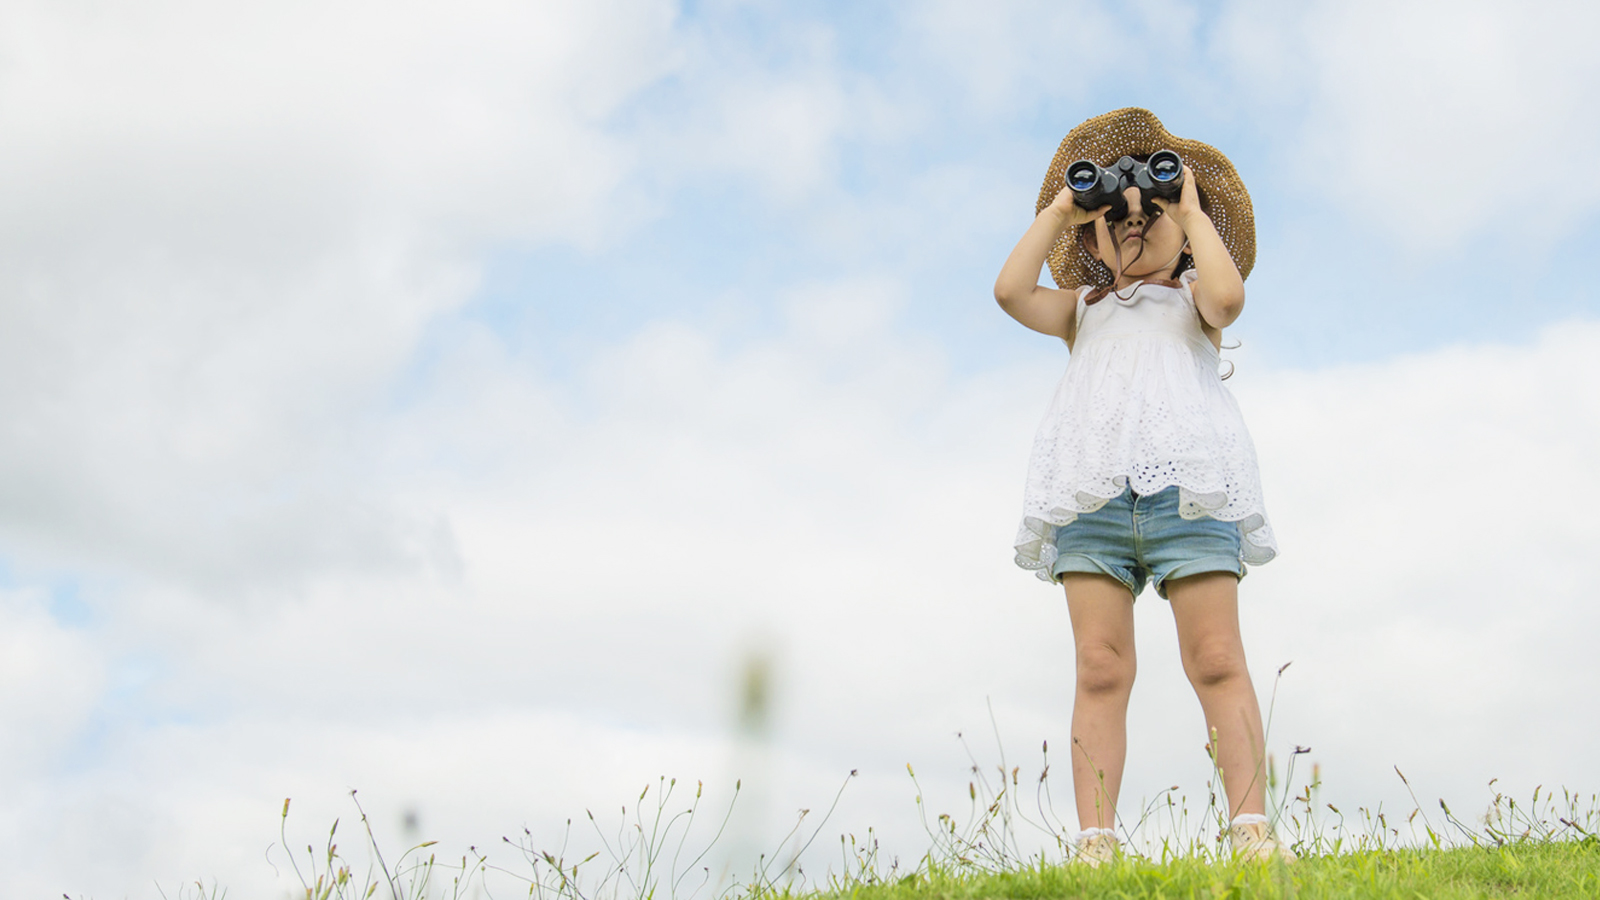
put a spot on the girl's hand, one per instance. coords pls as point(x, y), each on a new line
point(1069, 213)
point(1188, 205)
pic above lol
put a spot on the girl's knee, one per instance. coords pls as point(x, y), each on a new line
point(1104, 669)
point(1215, 663)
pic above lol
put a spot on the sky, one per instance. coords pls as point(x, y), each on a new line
point(450, 403)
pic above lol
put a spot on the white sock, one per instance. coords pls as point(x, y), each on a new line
point(1091, 832)
point(1248, 819)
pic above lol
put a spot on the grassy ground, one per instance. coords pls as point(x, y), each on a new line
point(1549, 848)
point(1538, 869)
point(1010, 845)
point(1536, 851)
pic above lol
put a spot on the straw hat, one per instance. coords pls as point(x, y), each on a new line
point(1134, 132)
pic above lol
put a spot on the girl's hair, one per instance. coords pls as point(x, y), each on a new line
point(1185, 260)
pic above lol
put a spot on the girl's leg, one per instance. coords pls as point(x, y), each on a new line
point(1206, 608)
point(1102, 633)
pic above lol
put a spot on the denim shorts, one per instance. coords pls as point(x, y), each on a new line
point(1136, 538)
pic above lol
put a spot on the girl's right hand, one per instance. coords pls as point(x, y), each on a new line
point(1069, 213)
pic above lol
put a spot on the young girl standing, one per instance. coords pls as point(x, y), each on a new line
point(1142, 470)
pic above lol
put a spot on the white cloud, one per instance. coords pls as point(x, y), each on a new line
point(37, 650)
point(230, 229)
point(1437, 515)
point(1436, 121)
point(225, 229)
point(760, 106)
point(843, 314)
point(1001, 57)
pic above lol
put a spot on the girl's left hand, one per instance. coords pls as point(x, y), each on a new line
point(1188, 205)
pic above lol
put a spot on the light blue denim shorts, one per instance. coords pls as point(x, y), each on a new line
point(1138, 538)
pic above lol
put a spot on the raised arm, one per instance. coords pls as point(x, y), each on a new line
point(1047, 310)
point(1218, 288)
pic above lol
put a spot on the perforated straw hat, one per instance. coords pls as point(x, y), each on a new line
point(1135, 132)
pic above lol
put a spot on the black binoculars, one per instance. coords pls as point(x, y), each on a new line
point(1093, 187)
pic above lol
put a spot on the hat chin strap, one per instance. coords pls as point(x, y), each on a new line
point(1116, 249)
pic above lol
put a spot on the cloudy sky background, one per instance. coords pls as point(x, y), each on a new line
point(445, 402)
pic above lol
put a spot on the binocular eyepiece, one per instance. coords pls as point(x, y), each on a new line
point(1093, 187)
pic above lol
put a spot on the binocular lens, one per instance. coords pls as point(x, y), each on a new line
point(1165, 166)
point(1082, 176)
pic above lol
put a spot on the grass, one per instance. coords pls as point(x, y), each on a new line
point(1010, 845)
point(1538, 869)
point(1008, 848)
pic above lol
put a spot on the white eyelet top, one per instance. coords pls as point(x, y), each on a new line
point(1142, 404)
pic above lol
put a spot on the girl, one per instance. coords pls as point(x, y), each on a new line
point(1142, 469)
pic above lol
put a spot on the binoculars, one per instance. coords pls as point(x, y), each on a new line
point(1093, 187)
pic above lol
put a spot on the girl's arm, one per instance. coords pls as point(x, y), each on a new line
point(1219, 289)
point(1047, 310)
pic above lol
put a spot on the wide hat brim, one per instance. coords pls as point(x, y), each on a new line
point(1136, 132)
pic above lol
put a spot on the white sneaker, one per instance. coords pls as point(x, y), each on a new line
point(1096, 846)
point(1254, 841)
